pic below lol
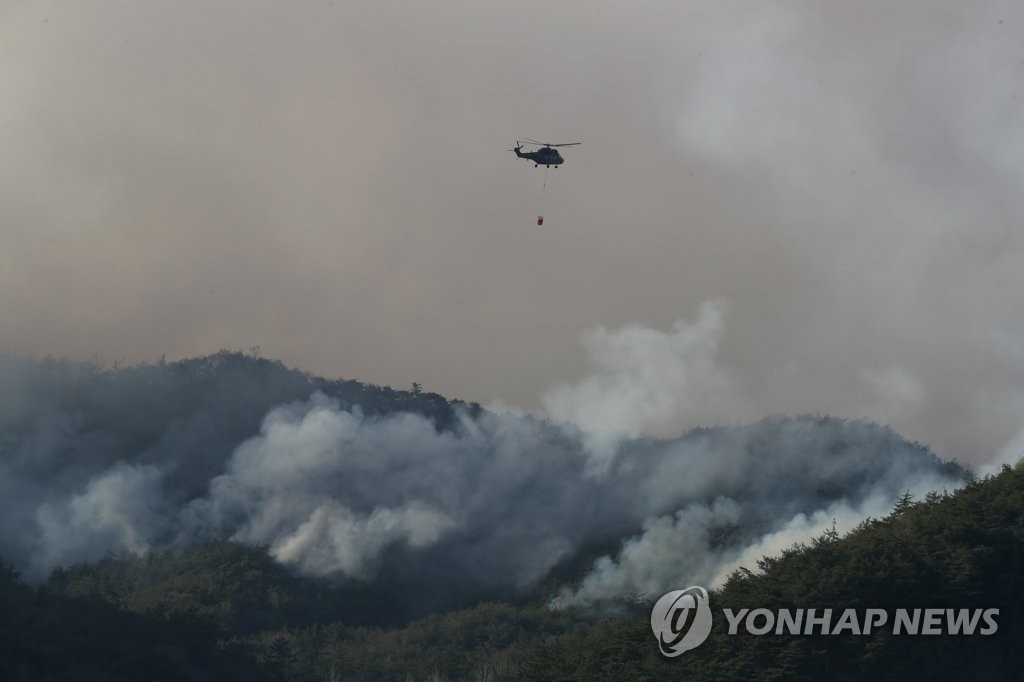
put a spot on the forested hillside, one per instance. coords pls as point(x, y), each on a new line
point(229, 518)
point(964, 550)
point(223, 611)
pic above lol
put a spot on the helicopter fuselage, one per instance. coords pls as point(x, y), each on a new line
point(545, 156)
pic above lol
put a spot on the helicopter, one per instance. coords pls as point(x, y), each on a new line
point(546, 155)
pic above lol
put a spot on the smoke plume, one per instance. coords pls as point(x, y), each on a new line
point(370, 486)
point(646, 382)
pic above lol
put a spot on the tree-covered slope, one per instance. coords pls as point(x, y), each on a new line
point(220, 611)
point(958, 551)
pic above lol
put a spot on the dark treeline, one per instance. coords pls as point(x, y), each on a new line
point(230, 392)
point(222, 611)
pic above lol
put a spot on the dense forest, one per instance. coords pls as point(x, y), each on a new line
point(112, 570)
point(224, 611)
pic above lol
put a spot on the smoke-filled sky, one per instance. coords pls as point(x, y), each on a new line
point(778, 207)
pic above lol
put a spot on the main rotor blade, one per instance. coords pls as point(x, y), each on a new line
point(549, 144)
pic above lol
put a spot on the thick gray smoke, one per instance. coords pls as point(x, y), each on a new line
point(458, 504)
point(647, 382)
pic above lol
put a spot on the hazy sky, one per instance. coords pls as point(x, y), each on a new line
point(778, 207)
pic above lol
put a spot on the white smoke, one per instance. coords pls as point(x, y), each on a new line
point(121, 509)
point(649, 383)
point(486, 505)
point(335, 540)
point(646, 382)
point(841, 517)
point(686, 547)
point(671, 550)
point(280, 488)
